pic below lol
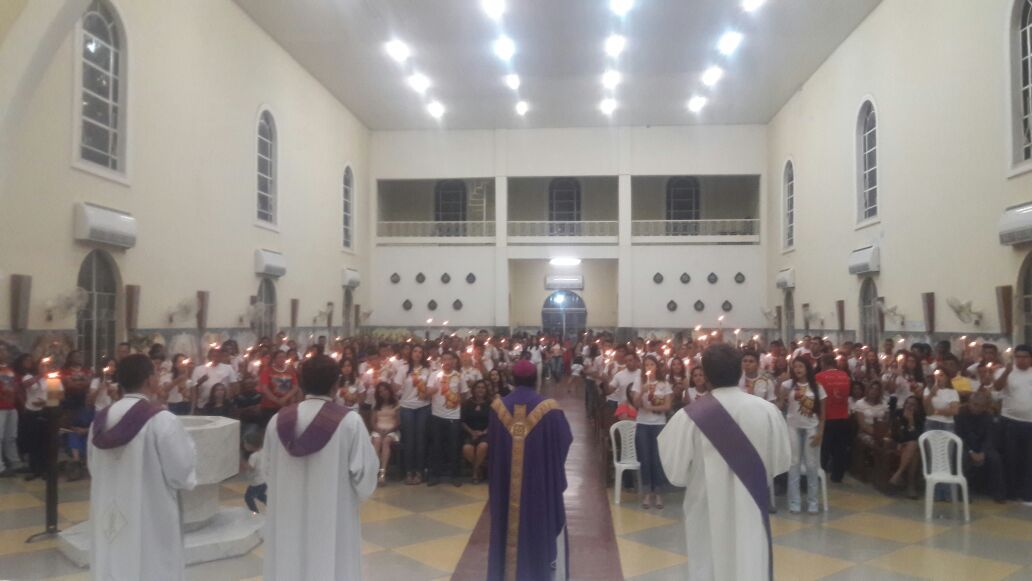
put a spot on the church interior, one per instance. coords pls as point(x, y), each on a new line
point(229, 180)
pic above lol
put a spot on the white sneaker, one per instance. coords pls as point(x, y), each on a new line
point(1027, 503)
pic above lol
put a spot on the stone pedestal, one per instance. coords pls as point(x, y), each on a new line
point(210, 532)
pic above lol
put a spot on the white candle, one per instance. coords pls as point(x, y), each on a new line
point(54, 389)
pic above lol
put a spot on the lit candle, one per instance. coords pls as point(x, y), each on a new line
point(755, 337)
point(972, 344)
point(698, 328)
point(54, 389)
point(737, 331)
point(186, 361)
point(430, 321)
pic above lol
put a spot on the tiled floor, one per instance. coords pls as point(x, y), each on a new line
point(864, 536)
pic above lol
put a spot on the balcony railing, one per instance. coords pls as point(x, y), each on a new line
point(548, 229)
point(435, 229)
point(735, 227)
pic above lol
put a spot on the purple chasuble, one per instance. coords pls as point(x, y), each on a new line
point(544, 441)
point(126, 429)
point(316, 435)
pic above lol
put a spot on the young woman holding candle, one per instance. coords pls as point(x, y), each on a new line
point(653, 397)
point(415, 414)
point(805, 401)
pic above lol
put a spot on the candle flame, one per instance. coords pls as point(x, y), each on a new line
point(53, 375)
point(186, 361)
point(45, 360)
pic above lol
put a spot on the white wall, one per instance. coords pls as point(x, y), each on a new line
point(199, 72)
point(938, 75)
point(433, 261)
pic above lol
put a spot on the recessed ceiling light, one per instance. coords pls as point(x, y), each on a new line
point(494, 8)
point(729, 42)
point(398, 50)
point(522, 108)
point(696, 103)
point(436, 109)
point(712, 76)
point(615, 45)
point(504, 47)
point(512, 81)
point(419, 82)
point(611, 78)
point(621, 7)
point(563, 261)
point(751, 5)
point(607, 106)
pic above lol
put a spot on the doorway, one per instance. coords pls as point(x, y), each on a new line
point(564, 315)
point(97, 322)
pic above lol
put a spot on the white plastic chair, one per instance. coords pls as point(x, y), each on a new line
point(822, 481)
point(627, 457)
point(938, 469)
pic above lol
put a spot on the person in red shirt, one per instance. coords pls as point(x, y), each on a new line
point(278, 385)
point(837, 432)
point(8, 415)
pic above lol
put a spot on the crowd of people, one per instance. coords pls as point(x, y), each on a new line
point(429, 400)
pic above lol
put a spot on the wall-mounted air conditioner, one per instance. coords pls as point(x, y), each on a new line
point(102, 225)
point(865, 260)
point(785, 278)
point(1016, 224)
point(269, 263)
point(350, 278)
point(564, 282)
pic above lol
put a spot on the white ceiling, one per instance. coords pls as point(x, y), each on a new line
point(559, 57)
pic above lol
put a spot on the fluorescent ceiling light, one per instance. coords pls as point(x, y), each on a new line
point(729, 42)
point(712, 76)
point(696, 103)
point(436, 109)
point(419, 82)
point(621, 7)
point(564, 262)
point(611, 78)
point(615, 45)
point(521, 108)
point(607, 106)
point(751, 5)
point(398, 50)
point(504, 47)
point(512, 81)
point(493, 8)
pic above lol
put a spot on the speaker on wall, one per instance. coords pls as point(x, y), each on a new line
point(21, 292)
point(132, 306)
point(202, 309)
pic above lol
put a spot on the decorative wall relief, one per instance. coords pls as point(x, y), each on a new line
point(446, 278)
point(712, 278)
point(739, 278)
point(671, 306)
point(699, 305)
point(395, 278)
point(432, 305)
point(657, 278)
point(457, 305)
point(421, 278)
point(407, 305)
point(727, 306)
point(471, 278)
point(685, 278)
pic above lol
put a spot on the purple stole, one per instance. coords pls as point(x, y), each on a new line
point(126, 429)
point(316, 435)
point(741, 456)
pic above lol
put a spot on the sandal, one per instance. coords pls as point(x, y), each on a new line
point(659, 503)
point(645, 502)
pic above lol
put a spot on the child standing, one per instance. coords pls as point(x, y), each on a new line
point(256, 490)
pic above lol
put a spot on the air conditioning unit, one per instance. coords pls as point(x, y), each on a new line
point(1016, 224)
point(102, 225)
point(785, 278)
point(564, 282)
point(269, 263)
point(865, 260)
point(350, 278)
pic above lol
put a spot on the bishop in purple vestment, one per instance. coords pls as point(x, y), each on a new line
point(528, 439)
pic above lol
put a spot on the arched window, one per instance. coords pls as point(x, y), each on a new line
point(102, 82)
point(267, 173)
point(682, 199)
point(564, 314)
point(869, 327)
point(348, 207)
point(265, 309)
point(1023, 79)
point(788, 192)
point(789, 311)
point(564, 206)
point(867, 162)
point(96, 321)
point(450, 201)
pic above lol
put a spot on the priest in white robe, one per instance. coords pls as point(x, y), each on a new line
point(724, 524)
point(140, 457)
point(320, 466)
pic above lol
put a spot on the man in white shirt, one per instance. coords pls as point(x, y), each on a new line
point(214, 372)
point(1016, 385)
point(727, 539)
point(447, 391)
point(753, 382)
point(140, 457)
point(628, 378)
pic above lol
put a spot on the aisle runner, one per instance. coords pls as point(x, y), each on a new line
point(593, 550)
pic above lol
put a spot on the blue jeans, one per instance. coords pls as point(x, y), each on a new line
point(646, 443)
point(255, 492)
point(446, 447)
point(803, 454)
point(413, 438)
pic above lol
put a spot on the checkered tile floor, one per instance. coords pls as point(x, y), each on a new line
point(409, 532)
point(864, 536)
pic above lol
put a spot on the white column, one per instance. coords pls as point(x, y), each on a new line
point(501, 280)
point(624, 267)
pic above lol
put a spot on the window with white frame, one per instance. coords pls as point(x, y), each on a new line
point(682, 199)
point(266, 168)
point(788, 192)
point(102, 81)
point(867, 162)
point(450, 201)
point(348, 208)
point(1023, 53)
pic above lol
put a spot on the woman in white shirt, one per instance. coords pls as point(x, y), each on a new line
point(177, 386)
point(415, 414)
point(805, 401)
point(653, 396)
point(870, 409)
point(941, 403)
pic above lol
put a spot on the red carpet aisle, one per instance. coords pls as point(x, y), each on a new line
point(593, 550)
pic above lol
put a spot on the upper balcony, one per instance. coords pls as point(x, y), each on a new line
point(460, 211)
point(695, 209)
point(582, 210)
